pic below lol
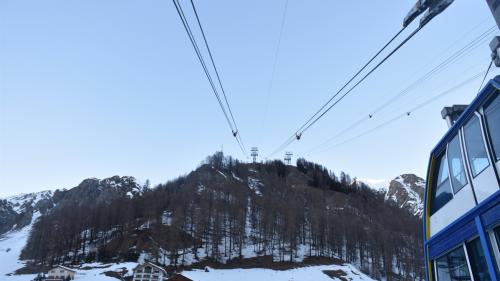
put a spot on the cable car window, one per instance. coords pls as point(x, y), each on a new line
point(492, 114)
point(477, 261)
point(497, 234)
point(453, 266)
point(458, 177)
point(441, 193)
point(478, 158)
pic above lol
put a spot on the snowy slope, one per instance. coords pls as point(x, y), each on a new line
point(376, 184)
point(311, 273)
point(407, 191)
point(11, 245)
point(23, 201)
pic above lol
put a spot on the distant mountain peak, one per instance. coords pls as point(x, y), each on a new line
point(17, 211)
point(407, 191)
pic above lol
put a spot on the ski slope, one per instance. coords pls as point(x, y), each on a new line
point(310, 273)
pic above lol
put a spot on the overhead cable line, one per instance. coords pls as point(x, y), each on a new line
point(486, 74)
point(275, 60)
point(476, 42)
point(429, 9)
point(236, 132)
point(362, 79)
point(366, 118)
point(407, 113)
point(352, 78)
point(232, 125)
point(450, 60)
point(443, 65)
point(294, 136)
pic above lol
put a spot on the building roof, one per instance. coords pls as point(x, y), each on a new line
point(65, 268)
point(484, 95)
point(147, 263)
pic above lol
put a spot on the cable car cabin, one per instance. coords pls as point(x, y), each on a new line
point(462, 210)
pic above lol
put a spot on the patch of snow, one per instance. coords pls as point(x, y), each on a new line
point(21, 201)
point(11, 245)
point(255, 184)
point(166, 218)
point(222, 174)
point(97, 273)
point(376, 184)
point(310, 273)
point(414, 202)
point(236, 178)
point(200, 188)
point(86, 272)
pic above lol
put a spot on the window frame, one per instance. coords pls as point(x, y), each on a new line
point(456, 247)
point(464, 162)
point(494, 241)
point(435, 183)
point(487, 127)
point(469, 241)
point(485, 144)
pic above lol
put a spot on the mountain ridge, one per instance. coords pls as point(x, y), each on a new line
point(221, 211)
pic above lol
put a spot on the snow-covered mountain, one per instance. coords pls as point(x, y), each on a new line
point(118, 219)
point(17, 211)
point(406, 190)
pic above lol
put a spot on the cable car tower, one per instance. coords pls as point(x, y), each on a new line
point(254, 153)
point(288, 157)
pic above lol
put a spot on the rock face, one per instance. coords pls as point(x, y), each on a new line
point(95, 191)
point(408, 192)
point(17, 211)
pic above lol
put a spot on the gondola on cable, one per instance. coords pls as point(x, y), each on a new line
point(462, 198)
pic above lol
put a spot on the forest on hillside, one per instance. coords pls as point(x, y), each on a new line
point(225, 208)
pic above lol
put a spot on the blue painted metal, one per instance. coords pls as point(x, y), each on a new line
point(483, 207)
point(492, 217)
point(486, 249)
point(486, 92)
point(456, 236)
point(424, 220)
point(487, 211)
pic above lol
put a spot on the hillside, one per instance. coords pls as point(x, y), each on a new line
point(227, 214)
point(406, 190)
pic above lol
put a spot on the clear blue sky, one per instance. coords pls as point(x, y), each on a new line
point(97, 88)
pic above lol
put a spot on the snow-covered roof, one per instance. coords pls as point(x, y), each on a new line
point(65, 268)
point(147, 263)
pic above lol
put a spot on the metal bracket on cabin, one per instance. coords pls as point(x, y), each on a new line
point(433, 8)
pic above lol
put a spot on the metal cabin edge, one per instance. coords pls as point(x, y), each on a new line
point(470, 224)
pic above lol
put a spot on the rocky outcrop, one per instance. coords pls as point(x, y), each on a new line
point(17, 211)
point(408, 192)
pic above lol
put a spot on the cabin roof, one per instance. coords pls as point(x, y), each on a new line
point(480, 99)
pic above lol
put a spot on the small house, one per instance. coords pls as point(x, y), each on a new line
point(149, 272)
point(60, 273)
